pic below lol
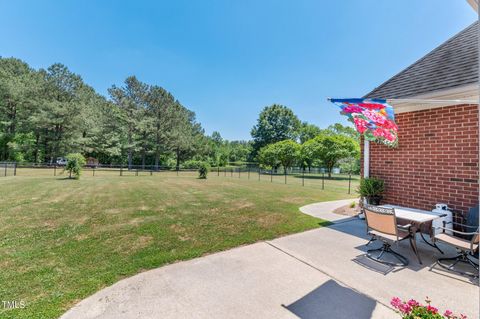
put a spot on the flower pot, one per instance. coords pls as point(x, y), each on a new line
point(374, 200)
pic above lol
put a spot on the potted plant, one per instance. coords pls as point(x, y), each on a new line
point(371, 189)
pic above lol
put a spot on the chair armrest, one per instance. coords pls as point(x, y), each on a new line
point(466, 226)
point(457, 231)
point(406, 227)
point(459, 224)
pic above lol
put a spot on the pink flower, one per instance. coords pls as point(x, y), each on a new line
point(411, 307)
point(360, 124)
point(372, 106)
point(432, 309)
point(396, 302)
point(390, 125)
point(390, 137)
point(405, 308)
point(352, 109)
point(376, 117)
point(413, 303)
point(384, 133)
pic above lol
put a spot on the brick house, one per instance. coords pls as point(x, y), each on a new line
point(437, 159)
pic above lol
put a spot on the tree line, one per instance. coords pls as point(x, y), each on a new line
point(49, 113)
point(281, 140)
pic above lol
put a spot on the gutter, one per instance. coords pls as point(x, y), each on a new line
point(366, 158)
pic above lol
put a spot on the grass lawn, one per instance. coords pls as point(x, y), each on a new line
point(63, 240)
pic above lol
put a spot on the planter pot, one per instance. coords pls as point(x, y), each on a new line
point(374, 200)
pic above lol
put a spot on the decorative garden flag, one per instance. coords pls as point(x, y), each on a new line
point(373, 118)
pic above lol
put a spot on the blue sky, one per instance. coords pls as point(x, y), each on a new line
point(228, 59)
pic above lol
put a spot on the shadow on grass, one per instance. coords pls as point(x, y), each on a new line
point(325, 223)
point(319, 177)
point(313, 176)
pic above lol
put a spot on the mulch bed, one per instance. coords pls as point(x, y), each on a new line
point(347, 210)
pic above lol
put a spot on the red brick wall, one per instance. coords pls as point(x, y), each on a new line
point(436, 160)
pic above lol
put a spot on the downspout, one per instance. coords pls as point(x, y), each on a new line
point(366, 158)
point(366, 172)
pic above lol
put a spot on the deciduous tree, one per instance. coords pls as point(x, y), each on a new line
point(275, 123)
point(330, 149)
point(283, 153)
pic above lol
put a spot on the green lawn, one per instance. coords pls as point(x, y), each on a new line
point(63, 240)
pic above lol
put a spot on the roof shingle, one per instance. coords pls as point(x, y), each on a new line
point(452, 64)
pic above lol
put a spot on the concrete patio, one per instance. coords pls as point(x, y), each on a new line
point(321, 273)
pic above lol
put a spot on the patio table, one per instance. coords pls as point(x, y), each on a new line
point(417, 218)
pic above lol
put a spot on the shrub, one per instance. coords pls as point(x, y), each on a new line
point(371, 186)
point(169, 163)
point(412, 309)
point(372, 189)
point(75, 163)
point(191, 164)
point(203, 170)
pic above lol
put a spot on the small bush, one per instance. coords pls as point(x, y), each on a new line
point(75, 163)
point(170, 163)
point(203, 170)
point(353, 204)
point(191, 164)
point(371, 186)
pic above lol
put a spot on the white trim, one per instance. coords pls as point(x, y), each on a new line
point(430, 101)
point(366, 158)
point(411, 103)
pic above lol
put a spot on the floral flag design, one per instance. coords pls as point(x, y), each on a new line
point(373, 118)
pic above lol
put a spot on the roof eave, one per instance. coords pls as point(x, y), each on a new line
point(465, 92)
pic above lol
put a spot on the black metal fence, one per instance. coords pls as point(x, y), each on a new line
point(313, 177)
point(317, 176)
point(8, 169)
point(30, 169)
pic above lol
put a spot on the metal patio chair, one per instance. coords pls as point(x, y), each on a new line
point(382, 225)
point(467, 247)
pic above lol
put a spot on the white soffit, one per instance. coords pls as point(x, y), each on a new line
point(466, 92)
